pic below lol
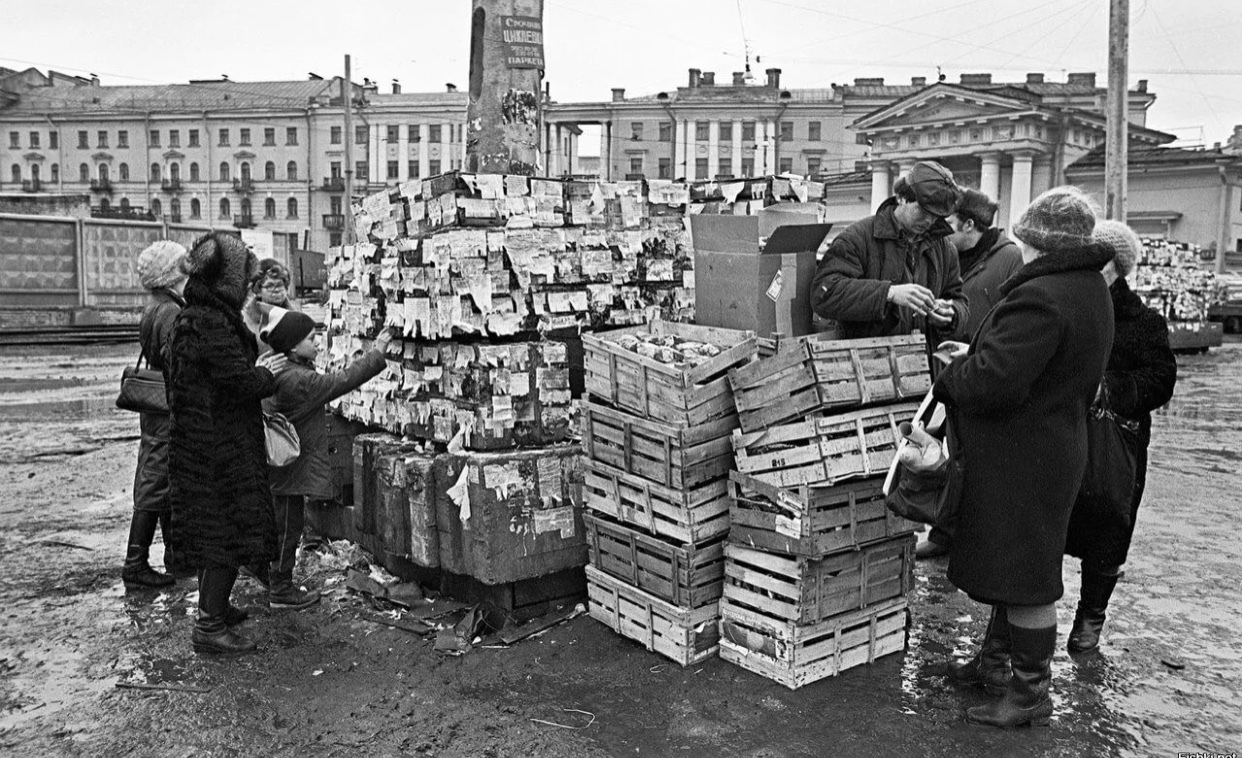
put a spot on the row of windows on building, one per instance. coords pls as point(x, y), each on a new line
point(104, 173)
point(664, 167)
point(814, 131)
point(102, 138)
point(196, 208)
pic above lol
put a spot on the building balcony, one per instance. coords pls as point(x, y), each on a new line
point(133, 212)
point(243, 185)
point(171, 185)
point(32, 185)
point(101, 185)
point(335, 221)
point(334, 183)
point(243, 221)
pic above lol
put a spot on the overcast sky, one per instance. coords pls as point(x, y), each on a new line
point(1186, 49)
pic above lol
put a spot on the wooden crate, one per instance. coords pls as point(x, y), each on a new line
point(808, 590)
point(695, 514)
point(808, 376)
point(680, 457)
point(795, 654)
point(811, 519)
point(826, 450)
point(686, 635)
point(407, 507)
point(657, 390)
point(686, 575)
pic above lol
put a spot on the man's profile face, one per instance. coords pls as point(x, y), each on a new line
point(912, 217)
point(961, 232)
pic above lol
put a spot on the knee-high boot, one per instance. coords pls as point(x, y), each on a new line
point(137, 571)
point(1097, 589)
point(1026, 701)
point(989, 668)
point(212, 634)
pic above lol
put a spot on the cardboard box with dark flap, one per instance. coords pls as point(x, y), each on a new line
point(740, 285)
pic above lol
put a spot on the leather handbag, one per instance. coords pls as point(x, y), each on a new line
point(1112, 464)
point(142, 389)
point(283, 445)
point(928, 497)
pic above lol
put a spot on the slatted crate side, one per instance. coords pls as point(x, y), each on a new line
point(808, 590)
point(686, 635)
point(862, 372)
point(670, 455)
point(695, 514)
point(795, 655)
point(686, 575)
point(775, 389)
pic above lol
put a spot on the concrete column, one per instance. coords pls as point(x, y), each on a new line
point(761, 151)
point(605, 151)
point(692, 150)
point(1041, 174)
point(558, 150)
point(904, 166)
point(713, 149)
point(735, 166)
point(446, 154)
point(769, 147)
point(1020, 187)
point(989, 174)
point(424, 152)
point(679, 149)
point(571, 157)
point(403, 154)
point(375, 156)
point(880, 187)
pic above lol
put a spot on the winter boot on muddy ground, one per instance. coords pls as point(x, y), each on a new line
point(284, 594)
point(212, 633)
point(137, 571)
point(1097, 589)
point(1026, 701)
point(989, 669)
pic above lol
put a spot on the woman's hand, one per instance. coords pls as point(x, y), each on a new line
point(384, 339)
point(950, 350)
point(274, 362)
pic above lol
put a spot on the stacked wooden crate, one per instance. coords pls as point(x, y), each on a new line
point(656, 435)
point(817, 570)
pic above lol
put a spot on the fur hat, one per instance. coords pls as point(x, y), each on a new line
point(223, 264)
point(159, 266)
point(285, 329)
point(1058, 220)
point(934, 188)
point(1122, 240)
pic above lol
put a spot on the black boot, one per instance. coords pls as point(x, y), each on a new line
point(173, 565)
point(137, 571)
point(989, 668)
point(211, 632)
point(1026, 701)
point(1097, 589)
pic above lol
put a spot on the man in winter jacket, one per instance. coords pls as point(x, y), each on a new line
point(895, 272)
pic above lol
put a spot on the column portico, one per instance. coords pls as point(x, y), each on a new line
point(880, 187)
point(424, 151)
point(735, 167)
point(713, 149)
point(679, 149)
point(691, 150)
point(989, 175)
point(1020, 189)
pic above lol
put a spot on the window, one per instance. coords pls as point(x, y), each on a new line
point(155, 138)
point(786, 131)
point(196, 208)
point(224, 138)
point(55, 172)
point(748, 132)
point(636, 165)
point(726, 131)
point(393, 134)
point(812, 165)
point(334, 170)
point(104, 205)
point(245, 208)
point(636, 131)
point(16, 173)
point(174, 207)
point(34, 140)
point(414, 135)
point(812, 131)
point(224, 172)
point(157, 208)
point(83, 144)
point(335, 137)
point(360, 171)
point(700, 168)
point(155, 172)
point(174, 138)
point(291, 208)
point(245, 171)
point(226, 210)
point(122, 138)
point(269, 208)
point(394, 169)
point(193, 138)
point(269, 171)
point(15, 140)
point(174, 172)
point(433, 167)
point(243, 137)
point(334, 239)
point(122, 172)
point(269, 136)
point(334, 205)
point(412, 169)
point(101, 138)
point(53, 140)
point(360, 135)
point(84, 173)
point(433, 133)
point(666, 168)
point(666, 132)
point(291, 135)
point(125, 205)
point(748, 167)
point(34, 173)
point(194, 172)
point(700, 131)
point(786, 166)
point(291, 171)
point(103, 172)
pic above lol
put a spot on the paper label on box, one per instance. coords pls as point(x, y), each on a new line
point(774, 289)
point(790, 527)
point(555, 520)
point(787, 501)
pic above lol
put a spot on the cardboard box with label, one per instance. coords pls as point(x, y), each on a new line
point(745, 282)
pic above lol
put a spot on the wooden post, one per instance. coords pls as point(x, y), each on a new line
point(1118, 110)
point(504, 114)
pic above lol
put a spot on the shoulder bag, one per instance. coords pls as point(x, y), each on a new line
point(927, 496)
point(142, 389)
point(1112, 464)
point(283, 445)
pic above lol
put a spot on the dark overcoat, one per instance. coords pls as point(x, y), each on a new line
point(1019, 398)
point(155, 335)
point(982, 280)
point(852, 282)
point(1141, 374)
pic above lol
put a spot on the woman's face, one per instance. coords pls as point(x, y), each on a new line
point(1028, 253)
point(273, 292)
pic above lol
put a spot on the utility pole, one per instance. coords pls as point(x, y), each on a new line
point(347, 97)
point(504, 114)
point(1116, 135)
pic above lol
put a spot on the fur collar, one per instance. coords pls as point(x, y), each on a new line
point(1088, 257)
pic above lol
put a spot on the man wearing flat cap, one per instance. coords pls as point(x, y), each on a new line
point(895, 272)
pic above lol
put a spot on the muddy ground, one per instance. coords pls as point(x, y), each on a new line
point(328, 682)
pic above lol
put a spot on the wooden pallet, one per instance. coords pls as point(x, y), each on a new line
point(796, 654)
point(657, 390)
point(826, 450)
point(808, 590)
point(680, 457)
point(686, 575)
point(407, 507)
point(811, 519)
point(808, 376)
point(683, 634)
point(696, 514)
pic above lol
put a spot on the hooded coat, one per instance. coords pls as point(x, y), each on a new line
point(155, 335)
point(852, 282)
point(983, 277)
point(221, 499)
point(1141, 374)
point(1019, 399)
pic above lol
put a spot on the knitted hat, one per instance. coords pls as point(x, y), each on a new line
point(285, 329)
point(1060, 219)
point(1122, 240)
point(934, 188)
point(159, 266)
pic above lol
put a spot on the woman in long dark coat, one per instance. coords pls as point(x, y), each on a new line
point(222, 503)
point(1139, 379)
point(1019, 396)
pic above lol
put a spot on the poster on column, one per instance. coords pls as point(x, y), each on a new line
point(261, 243)
point(523, 38)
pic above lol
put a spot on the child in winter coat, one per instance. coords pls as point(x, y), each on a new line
point(301, 393)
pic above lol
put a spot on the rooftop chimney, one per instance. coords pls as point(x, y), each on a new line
point(618, 94)
point(695, 76)
point(774, 77)
point(975, 79)
point(708, 79)
point(739, 78)
point(396, 86)
point(1142, 85)
point(1034, 78)
point(1084, 79)
point(450, 87)
point(94, 80)
point(869, 81)
point(918, 81)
